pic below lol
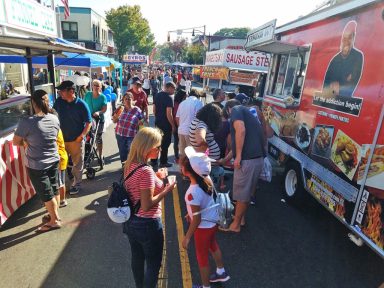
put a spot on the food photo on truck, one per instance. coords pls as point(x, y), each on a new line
point(324, 100)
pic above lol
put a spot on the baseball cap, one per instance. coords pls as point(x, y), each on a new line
point(118, 206)
point(242, 98)
point(200, 162)
point(136, 80)
point(66, 85)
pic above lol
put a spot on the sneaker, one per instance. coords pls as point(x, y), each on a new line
point(219, 277)
point(74, 190)
point(63, 203)
point(167, 165)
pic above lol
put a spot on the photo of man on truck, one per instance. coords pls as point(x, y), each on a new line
point(345, 69)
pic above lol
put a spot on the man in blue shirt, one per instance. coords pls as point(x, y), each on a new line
point(75, 122)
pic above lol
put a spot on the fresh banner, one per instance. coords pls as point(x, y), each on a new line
point(243, 78)
point(218, 73)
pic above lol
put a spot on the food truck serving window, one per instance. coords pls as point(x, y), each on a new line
point(287, 74)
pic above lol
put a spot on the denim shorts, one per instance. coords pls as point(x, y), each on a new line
point(61, 179)
point(45, 181)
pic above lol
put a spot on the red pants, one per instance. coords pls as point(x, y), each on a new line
point(205, 241)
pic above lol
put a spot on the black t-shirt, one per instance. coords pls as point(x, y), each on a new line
point(162, 101)
point(218, 104)
point(253, 141)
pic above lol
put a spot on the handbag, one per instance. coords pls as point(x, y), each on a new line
point(266, 172)
point(120, 207)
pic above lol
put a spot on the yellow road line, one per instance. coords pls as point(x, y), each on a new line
point(184, 260)
point(163, 275)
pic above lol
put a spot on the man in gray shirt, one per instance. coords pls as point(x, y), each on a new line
point(248, 153)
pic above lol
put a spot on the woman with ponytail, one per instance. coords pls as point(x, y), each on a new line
point(202, 215)
point(39, 133)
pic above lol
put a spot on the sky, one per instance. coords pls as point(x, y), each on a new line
point(170, 15)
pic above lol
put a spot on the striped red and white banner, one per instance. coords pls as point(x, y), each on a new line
point(15, 185)
point(67, 12)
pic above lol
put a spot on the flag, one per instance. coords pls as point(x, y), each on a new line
point(66, 9)
point(150, 59)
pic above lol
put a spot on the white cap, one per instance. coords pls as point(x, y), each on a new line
point(120, 214)
point(200, 162)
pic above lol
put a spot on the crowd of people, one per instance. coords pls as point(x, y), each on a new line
point(206, 138)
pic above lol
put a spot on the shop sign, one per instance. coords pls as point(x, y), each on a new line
point(218, 73)
point(243, 78)
point(135, 58)
point(239, 59)
point(261, 34)
point(196, 70)
point(28, 15)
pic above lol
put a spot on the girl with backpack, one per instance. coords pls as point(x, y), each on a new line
point(202, 216)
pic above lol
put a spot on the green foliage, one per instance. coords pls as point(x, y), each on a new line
point(195, 54)
point(233, 32)
point(180, 50)
point(130, 29)
point(164, 53)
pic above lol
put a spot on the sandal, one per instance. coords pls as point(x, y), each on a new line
point(63, 203)
point(47, 218)
point(47, 228)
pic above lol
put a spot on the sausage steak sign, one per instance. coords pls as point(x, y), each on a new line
point(238, 59)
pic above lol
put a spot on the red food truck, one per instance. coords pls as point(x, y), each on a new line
point(324, 98)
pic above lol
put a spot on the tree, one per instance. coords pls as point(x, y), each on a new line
point(130, 29)
point(164, 53)
point(233, 32)
point(195, 54)
point(179, 48)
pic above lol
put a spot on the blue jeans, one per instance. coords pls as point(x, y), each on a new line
point(124, 144)
point(146, 238)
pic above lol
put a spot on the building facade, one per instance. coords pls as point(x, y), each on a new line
point(87, 28)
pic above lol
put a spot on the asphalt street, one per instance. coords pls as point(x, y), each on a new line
point(282, 245)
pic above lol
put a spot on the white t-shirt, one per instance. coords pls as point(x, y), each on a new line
point(146, 84)
point(188, 85)
point(197, 197)
point(182, 81)
point(186, 112)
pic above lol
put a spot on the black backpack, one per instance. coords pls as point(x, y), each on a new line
point(120, 207)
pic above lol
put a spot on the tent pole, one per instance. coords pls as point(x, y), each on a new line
point(51, 71)
point(31, 85)
point(121, 78)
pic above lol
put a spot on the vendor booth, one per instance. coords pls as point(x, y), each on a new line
point(236, 67)
point(15, 186)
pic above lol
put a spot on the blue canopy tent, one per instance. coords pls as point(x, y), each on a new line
point(70, 60)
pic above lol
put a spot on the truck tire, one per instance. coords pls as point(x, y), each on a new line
point(293, 182)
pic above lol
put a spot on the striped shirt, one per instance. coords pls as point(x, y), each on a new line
point(213, 147)
point(143, 178)
point(128, 123)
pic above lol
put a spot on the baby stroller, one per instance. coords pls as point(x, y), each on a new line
point(90, 151)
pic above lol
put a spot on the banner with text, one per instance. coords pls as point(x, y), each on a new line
point(218, 73)
point(135, 59)
point(243, 78)
point(239, 59)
